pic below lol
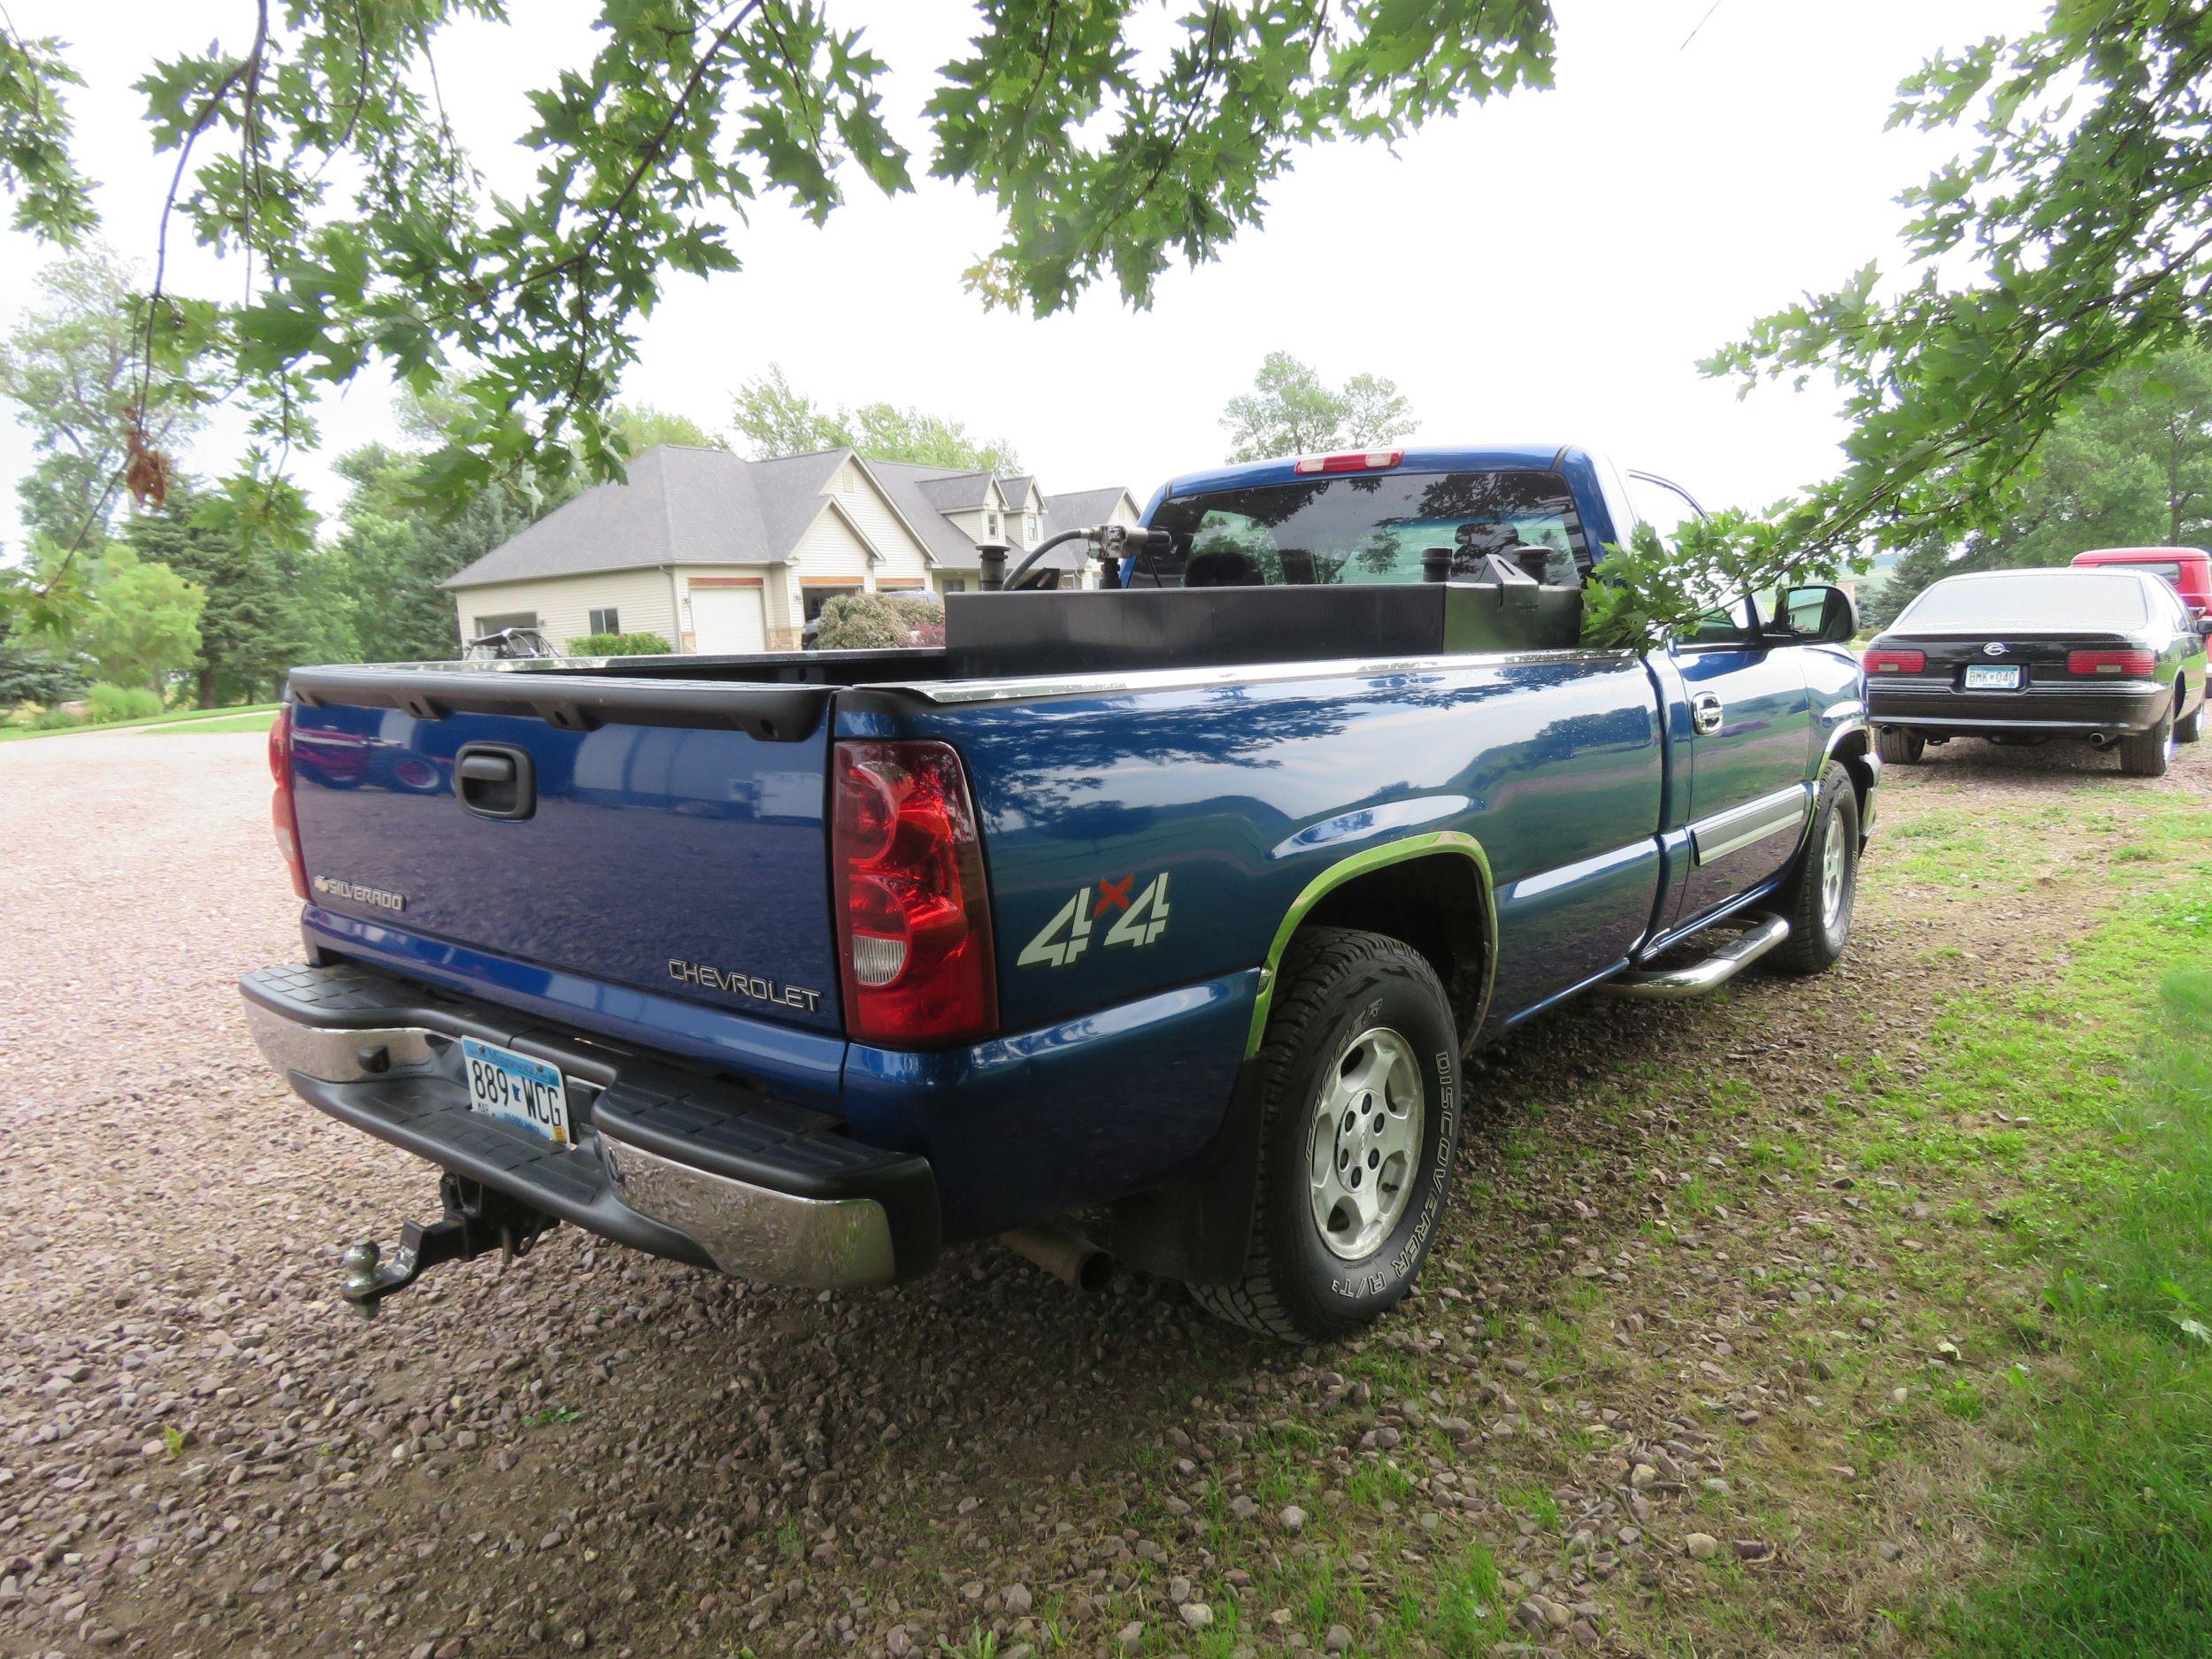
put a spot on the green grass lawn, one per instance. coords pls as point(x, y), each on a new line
point(214, 718)
point(2110, 1516)
point(244, 723)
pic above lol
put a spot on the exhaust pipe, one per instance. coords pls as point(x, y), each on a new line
point(2101, 739)
point(1063, 1253)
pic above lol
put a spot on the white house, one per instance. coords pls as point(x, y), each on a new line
point(721, 555)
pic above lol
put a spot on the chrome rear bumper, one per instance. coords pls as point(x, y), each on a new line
point(696, 1168)
point(753, 1232)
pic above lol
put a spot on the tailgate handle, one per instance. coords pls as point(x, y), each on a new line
point(488, 769)
point(495, 780)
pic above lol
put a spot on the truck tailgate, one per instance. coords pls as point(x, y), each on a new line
point(669, 843)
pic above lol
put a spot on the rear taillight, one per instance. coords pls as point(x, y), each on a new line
point(914, 921)
point(282, 817)
point(1894, 662)
point(2122, 664)
point(1356, 461)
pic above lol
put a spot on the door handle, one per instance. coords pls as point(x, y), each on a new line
point(1705, 713)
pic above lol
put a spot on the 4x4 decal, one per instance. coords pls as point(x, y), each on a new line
point(1137, 922)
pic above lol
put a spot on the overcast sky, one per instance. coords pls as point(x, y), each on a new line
point(1546, 268)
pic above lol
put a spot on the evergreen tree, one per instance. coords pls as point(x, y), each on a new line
point(395, 549)
point(30, 673)
point(267, 608)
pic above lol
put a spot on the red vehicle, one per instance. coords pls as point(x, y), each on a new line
point(2188, 570)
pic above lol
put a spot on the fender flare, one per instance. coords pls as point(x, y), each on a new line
point(1436, 844)
point(1858, 723)
point(1865, 767)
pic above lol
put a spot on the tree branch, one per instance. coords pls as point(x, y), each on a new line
point(654, 149)
point(201, 121)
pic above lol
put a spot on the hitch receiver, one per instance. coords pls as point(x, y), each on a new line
point(477, 1221)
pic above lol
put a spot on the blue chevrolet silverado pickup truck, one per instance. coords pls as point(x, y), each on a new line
point(1176, 904)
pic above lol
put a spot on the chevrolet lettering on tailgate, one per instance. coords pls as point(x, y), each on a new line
point(751, 986)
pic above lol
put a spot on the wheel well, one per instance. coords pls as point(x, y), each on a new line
point(1435, 903)
point(1851, 751)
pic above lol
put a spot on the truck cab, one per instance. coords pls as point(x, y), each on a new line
point(2186, 569)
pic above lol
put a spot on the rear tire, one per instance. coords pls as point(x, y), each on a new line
point(2190, 726)
point(1820, 893)
point(1359, 1040)
point(1898, 747)
point(2148, 754)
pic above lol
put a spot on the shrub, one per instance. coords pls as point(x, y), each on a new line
point(619, 645)
point(53, 720)
point(106, 703)
point(876, 622)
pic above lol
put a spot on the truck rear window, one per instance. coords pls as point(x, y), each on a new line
point(1367, 527)
point(2157, 567)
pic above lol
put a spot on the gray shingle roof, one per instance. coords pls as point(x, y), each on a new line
point(682, 505)
point(1079, 508)
point(955, 492)
point(909, 488)
point(790, 489)
point(679, 505)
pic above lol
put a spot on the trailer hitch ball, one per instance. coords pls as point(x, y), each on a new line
point(476, 1222)
point(360, 1264)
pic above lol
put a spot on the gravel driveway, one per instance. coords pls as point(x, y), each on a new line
point(202, 1453)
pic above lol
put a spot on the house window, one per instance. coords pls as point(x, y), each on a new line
point(505, 620)
point(1029, 526)
point(953, 584)
point(607, 621)
point(990, 525)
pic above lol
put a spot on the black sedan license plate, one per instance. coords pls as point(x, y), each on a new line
point(1987, 677)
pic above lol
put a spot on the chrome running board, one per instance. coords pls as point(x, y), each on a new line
point(1670, 984)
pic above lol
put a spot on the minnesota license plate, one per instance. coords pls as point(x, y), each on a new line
point(506, 1084)
point(1981, 677)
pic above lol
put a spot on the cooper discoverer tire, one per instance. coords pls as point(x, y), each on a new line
point(1350, 1195)
point(1820, 891)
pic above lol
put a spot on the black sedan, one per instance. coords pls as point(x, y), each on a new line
point(2021, 656)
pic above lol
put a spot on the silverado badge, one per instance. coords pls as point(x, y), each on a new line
point(331, 887)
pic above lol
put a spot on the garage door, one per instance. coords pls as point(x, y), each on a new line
point(726, 621)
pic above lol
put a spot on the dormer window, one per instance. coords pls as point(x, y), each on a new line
point(990, 527)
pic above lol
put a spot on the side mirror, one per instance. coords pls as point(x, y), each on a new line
point(2204, 625)
point(1819, 615)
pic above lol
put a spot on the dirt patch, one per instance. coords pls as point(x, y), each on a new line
point(201, 1452)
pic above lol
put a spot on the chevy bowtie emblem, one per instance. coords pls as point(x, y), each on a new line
point(1992, 650)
